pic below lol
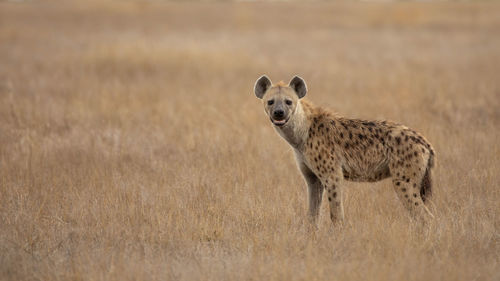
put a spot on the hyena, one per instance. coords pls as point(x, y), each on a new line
point(330, 149)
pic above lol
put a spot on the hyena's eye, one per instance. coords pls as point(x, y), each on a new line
point(270, 102)
point(288, 102)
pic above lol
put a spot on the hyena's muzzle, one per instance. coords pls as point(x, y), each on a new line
point(279, 113)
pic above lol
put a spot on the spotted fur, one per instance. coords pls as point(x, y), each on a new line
point(331, 149)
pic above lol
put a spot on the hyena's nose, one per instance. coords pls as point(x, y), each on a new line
point(278, 114)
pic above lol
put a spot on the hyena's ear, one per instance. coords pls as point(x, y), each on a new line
point(261, 86)
point(299, 85)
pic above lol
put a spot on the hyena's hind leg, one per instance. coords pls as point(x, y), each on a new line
point(412, 185)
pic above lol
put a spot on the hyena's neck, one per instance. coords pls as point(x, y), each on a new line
point(295, 131)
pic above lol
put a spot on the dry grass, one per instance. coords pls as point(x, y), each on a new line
point(132, 147)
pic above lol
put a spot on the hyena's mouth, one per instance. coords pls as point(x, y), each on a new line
point(279, 123)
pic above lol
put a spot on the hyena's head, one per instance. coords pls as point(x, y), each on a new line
point(280, 100)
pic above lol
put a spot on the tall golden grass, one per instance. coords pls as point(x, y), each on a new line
point(133, 148)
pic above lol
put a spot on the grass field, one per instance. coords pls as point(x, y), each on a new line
point(132, 146)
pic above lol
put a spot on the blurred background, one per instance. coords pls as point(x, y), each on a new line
point(132, 146)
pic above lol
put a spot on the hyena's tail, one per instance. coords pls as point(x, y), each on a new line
point(426, 186)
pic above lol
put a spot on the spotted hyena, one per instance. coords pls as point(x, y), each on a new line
point(330, 149)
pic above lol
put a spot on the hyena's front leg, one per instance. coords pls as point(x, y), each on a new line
point(315, 192)
point(333, 186)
